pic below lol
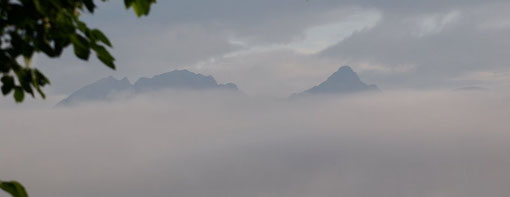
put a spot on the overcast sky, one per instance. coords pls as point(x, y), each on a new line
point(293, 45)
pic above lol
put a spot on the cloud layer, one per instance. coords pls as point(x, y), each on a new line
point(209, 144)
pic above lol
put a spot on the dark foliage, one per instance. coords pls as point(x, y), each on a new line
point(48, 26)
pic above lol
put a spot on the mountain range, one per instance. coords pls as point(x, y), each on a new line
point(109, 87)
point(343, 81)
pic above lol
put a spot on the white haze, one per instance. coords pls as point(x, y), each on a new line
point(391, 144)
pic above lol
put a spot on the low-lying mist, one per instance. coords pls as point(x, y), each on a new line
point(389, 144)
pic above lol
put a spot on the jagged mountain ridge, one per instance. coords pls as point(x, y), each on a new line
point(105, 88)
point(180, 79)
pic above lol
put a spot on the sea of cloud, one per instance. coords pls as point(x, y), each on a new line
point(191, 144)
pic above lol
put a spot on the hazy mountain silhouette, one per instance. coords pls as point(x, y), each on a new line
point(343, 81)
point(104, 89)
point(100, 90)
point(180, 79)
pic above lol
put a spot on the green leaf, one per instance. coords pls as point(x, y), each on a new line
point(25, 79)
point(128, 3)
point(82, 26)
point(19, 95)
point(81, 46)
point(141, 7)
point(36, 82)
point(14, 188)
point(43, 80)
point(90, 5)
point(104, 56)
point(97, 34)
point(38, 88)
point(7, 84)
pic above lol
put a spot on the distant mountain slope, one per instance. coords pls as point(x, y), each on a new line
point(100, 90)
point(343, 81)
point(103, 89)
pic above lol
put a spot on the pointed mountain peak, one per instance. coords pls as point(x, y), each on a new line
point(345, 69)
point(344, 74)
point(344, 80)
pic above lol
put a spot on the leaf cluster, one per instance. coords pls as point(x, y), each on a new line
point(28, 27)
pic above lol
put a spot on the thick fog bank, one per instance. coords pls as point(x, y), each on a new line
point(394, 144)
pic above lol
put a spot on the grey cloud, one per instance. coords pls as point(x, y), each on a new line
point(389, 144)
